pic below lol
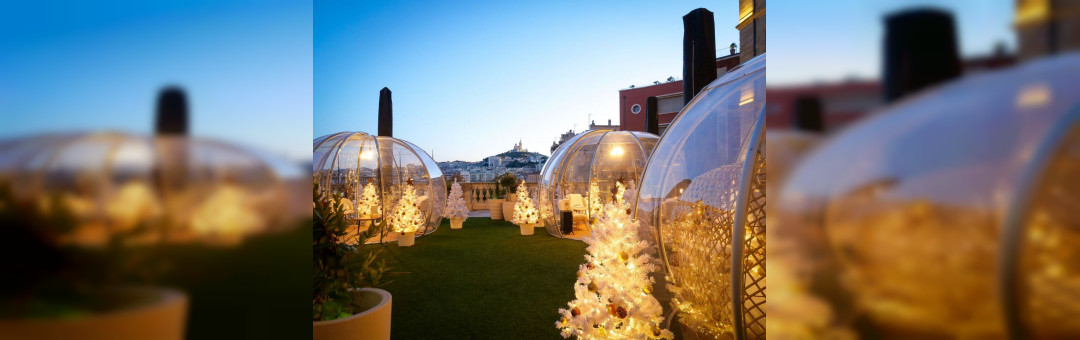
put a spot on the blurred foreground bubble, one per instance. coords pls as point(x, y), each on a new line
point(95, 225)
point(949, 214)
point(172, 189)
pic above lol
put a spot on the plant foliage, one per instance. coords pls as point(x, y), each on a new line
point(338, 267)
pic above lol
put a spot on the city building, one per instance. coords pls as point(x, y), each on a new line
point(669, 98)
point(562, 138)
point(669, 95)
point(845, 102)
point(1045, 27)
point(841, 103)
point(751, 29)
point(518, 161)
point(593, 126)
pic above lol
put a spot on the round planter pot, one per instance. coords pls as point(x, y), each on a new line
point(495, 207)
point(371, 324)
point(407, 239)
point(527, 228)
point(455, 223)
point(508, 210)
point(151, 313)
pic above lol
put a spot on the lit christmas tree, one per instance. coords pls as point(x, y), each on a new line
point(455, 204)
point(524, 211)
point(595, 207)
point(368, 205)
point(613, 292)
point(407, 217)
point(628, 195)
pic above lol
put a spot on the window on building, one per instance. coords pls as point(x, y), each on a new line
point(669, 103)
point(772, 108)
point(635, 109)
point(857, 102)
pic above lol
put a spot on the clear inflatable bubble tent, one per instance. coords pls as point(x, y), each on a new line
point(703, 197)
point(580, 176)
point(183, 189)
point(952, 213)
point(347, 163)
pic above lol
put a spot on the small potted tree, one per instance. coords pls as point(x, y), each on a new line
point(368, 207)
point(455, 209)
point(509, 183)
point(407, 217)
point(345, 303)
point(525, 213)
point(495, 202)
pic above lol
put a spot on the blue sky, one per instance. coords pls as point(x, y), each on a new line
point(98, 65)
point(813, 41)
point(471, 79)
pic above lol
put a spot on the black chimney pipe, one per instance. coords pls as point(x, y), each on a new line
point(808, 114)
point(920, 51)
point(699, 52)
point(172, 112)
point(171, 145)
point(386, 113)
point(652, 124)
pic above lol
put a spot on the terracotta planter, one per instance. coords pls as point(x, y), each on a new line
point(406, 240)
point(371, 324)
point(527, 228)
point(455, 222)
point(495, 207)
point(155, 313)
point(508, 210)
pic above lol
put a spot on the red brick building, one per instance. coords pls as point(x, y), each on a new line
point(846, 102)
point(669, 98)
point(841, 103)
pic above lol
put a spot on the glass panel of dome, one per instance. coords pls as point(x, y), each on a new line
point(947, 199)
point(388, 164)
point(583, 171)
point(200, 190)
point(616, 161)
point(705, 203)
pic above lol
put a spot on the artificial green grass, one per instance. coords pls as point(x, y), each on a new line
point(260, 289)
point(484, 281)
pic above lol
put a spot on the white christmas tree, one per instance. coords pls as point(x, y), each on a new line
point(455, 204)
point(613, 292)
point(368, 205)
point(524, 211)
point(595, 207)
point(407, 216)
point(628, 195)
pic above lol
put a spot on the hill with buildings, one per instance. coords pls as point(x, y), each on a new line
point(519, 161)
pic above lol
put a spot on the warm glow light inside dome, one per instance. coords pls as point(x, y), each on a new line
point(747, 96)
point(616, 151)
point(1033, 96)
point(367, 154)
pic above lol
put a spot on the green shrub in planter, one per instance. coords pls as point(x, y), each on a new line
point(507, 181)
point(49, 275)
point(340, 268)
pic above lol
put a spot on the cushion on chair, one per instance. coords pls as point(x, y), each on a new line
point(576, 202)
point(564, 204)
